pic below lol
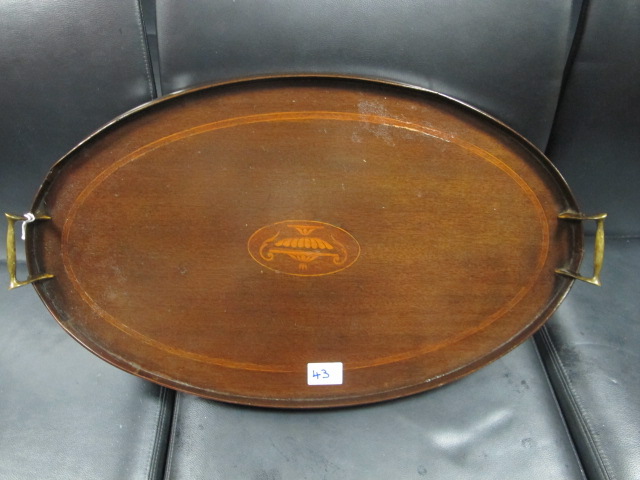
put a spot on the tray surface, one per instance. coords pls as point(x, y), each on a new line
point(303, 241)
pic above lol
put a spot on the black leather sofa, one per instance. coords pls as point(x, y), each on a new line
point(564, 405)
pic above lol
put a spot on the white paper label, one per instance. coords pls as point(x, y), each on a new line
point(328, 373)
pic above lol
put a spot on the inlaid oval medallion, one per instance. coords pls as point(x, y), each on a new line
point(303, 248)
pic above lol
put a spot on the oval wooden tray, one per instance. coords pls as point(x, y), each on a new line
point(303, 241)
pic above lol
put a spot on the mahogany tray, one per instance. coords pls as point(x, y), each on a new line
point(303, 241)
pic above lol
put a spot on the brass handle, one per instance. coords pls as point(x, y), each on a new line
point(11, 249)
point(598, 250)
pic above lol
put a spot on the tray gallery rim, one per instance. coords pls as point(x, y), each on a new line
point(328, 401)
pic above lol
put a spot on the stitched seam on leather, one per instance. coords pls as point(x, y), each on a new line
point(559, 410)
point(151, 457)
point(572, 53)
point(581, 412)
point(577, 406)
point(172, 436)
point(159, 437)
point(145, 49)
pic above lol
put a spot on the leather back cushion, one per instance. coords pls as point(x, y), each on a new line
point(503, 56)
point(66, 70)
point(596, 139)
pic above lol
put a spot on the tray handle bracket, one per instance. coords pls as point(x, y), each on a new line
point(598, 251)
point(11, 248)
